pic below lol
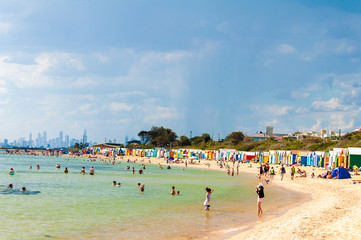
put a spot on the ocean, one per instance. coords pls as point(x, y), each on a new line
point(70, 206)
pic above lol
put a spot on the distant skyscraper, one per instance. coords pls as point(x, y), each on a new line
point(115, 140)
point(44, 140)
point(126, 140)
point(30, 140)
point(66, 144)
point(39, 140)
point(85, 138)
point(60, 138)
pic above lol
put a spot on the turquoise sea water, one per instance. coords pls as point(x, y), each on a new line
point(69, 206)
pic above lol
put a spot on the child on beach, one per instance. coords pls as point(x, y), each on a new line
point(207, 202)
point(260, 194)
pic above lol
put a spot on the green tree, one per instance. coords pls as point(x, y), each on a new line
point(206, 137)
point(184, 141)
point(162, 137)
point(144, 136)
point(235, 137)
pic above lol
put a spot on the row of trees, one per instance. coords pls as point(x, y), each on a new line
point(166, 137)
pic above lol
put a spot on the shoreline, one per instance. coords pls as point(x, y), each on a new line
point(242, 230)
point(332, 208)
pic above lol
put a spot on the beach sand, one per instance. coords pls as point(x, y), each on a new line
point(332, 212)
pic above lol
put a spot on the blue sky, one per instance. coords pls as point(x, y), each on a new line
point(118, 67)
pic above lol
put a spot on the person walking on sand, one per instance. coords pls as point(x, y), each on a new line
point(207, 202)
point(293, 171)
point(260, 194)
point(282, 172)
point(260, 171)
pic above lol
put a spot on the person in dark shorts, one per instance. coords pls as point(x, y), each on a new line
point(282, 172)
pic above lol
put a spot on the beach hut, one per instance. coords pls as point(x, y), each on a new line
point(265, 157)
point(354, 155)
point(299, 157)
point(338, 157)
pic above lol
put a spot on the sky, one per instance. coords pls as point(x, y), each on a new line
point(118, 67)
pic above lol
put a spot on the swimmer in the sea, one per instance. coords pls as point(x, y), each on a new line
point(173, 191)
point(91, 171)
point(141, 189)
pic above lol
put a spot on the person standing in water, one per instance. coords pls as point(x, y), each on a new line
point(82, 171)
point(207, 202)
point(91, 171)
point(172, 192)
point(11, 172)
point(141, 188)
point(260, 194)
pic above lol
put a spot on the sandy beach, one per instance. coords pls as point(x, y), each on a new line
point(332, 211)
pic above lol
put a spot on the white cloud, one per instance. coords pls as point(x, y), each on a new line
point(117, 106)
point(301, 110)
point(345, 48)
point(272, 110)
point(317, 126)
point(299, 94)
point(49, 69)
point(160, 113)
point(4, 27)
point(328, 106)
point(286, 49)
point(337, 121)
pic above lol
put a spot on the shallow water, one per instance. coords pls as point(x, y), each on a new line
point(68, 206)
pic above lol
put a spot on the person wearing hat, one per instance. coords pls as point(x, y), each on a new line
point(260, 194)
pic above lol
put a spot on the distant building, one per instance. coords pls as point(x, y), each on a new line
point(260, 136)
point(269, 130)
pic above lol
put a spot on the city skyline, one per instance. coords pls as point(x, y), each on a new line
point(43, 141)
point(119, 67)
